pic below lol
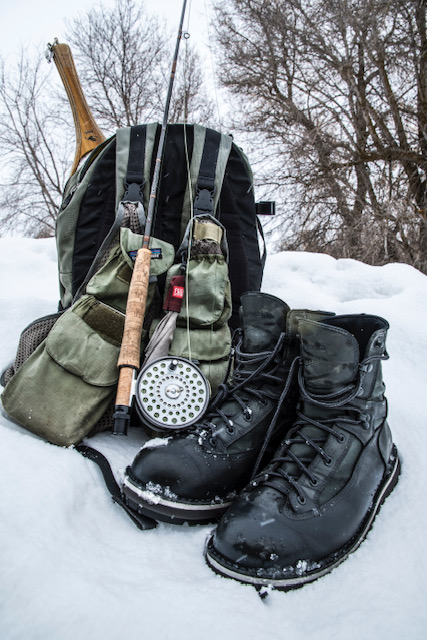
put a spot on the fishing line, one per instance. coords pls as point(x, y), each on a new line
point(213, 80)
point(129, 356)
point(212, 65)
point(190, 191)
point(190, 186)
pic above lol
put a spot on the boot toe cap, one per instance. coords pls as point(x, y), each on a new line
point(253, 534)
point(187, 471)
point(169, 465)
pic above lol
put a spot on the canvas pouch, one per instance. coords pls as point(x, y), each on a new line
point(202, 333)
point(64, 387)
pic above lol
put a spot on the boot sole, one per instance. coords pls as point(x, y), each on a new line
point(155, 506)
point(225, 568)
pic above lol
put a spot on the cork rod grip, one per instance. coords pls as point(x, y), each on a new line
point(130, 352)
point(124, 387)
point(88, 134)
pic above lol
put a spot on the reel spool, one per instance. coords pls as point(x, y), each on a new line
point(171, 393)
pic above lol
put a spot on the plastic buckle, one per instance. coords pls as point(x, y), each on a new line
point(204, 200)
point(133, 192)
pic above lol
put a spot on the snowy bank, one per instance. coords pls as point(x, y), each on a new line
point(73, 566)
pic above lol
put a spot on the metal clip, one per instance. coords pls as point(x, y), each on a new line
point(49, 50)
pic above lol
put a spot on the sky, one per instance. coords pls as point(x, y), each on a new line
point(37, 22)
point(32, 24)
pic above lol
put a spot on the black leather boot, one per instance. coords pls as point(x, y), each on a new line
point(315, 502)
point(195, 474)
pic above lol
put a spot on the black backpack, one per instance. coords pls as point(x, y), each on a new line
point(121, 168)
point(203, 174)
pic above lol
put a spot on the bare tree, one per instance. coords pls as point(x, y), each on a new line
point(33, 143)
point(190, 101)
point(123, 57)
point(336, 91)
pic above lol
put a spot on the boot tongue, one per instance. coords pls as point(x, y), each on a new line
point(263, 319)
point(330, 356)
point(330, 360)
point(296, 315)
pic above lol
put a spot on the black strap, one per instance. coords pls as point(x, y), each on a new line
point(134, 180)
point(142, 522)
point(261, 233)
point(205, 185)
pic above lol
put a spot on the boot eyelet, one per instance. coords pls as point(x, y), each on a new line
point(230, 430)
point(365, 423)
point(314, 482)
point(248, 415)
point(327, 461)
point(301, 500)
point(212, 442)
point(340, 438)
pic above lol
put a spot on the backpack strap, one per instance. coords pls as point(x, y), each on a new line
point(205, 186)
point(207, 169)
point(134, 181)
point(261, 233)
point(141, 521)
point(134, 150)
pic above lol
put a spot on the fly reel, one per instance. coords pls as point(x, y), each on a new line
point(171, 393)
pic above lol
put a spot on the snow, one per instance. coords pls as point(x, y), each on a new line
point(74, 566)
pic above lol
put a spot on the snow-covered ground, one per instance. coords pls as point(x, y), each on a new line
point(72, 564)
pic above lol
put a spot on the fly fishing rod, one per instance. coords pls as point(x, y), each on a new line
point(130, 352)
point(88, 134)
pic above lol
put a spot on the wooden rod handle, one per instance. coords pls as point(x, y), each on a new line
point(130, 352)
point(88, 134)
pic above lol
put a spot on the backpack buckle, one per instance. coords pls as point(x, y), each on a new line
point(204, 200)
point(133, 192)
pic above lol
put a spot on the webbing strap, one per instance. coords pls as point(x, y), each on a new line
point(211, 151)
point(134, 180)
point(135, 162)
point(141, 521)
point(261, 233)
point(205, 185)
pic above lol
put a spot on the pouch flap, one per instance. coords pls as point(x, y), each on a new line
point(204, 344)
point(163, 253)
point(208, 285)
point(79, 349)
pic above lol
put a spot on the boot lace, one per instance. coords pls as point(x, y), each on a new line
point(343, 398)
point(252, 370)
